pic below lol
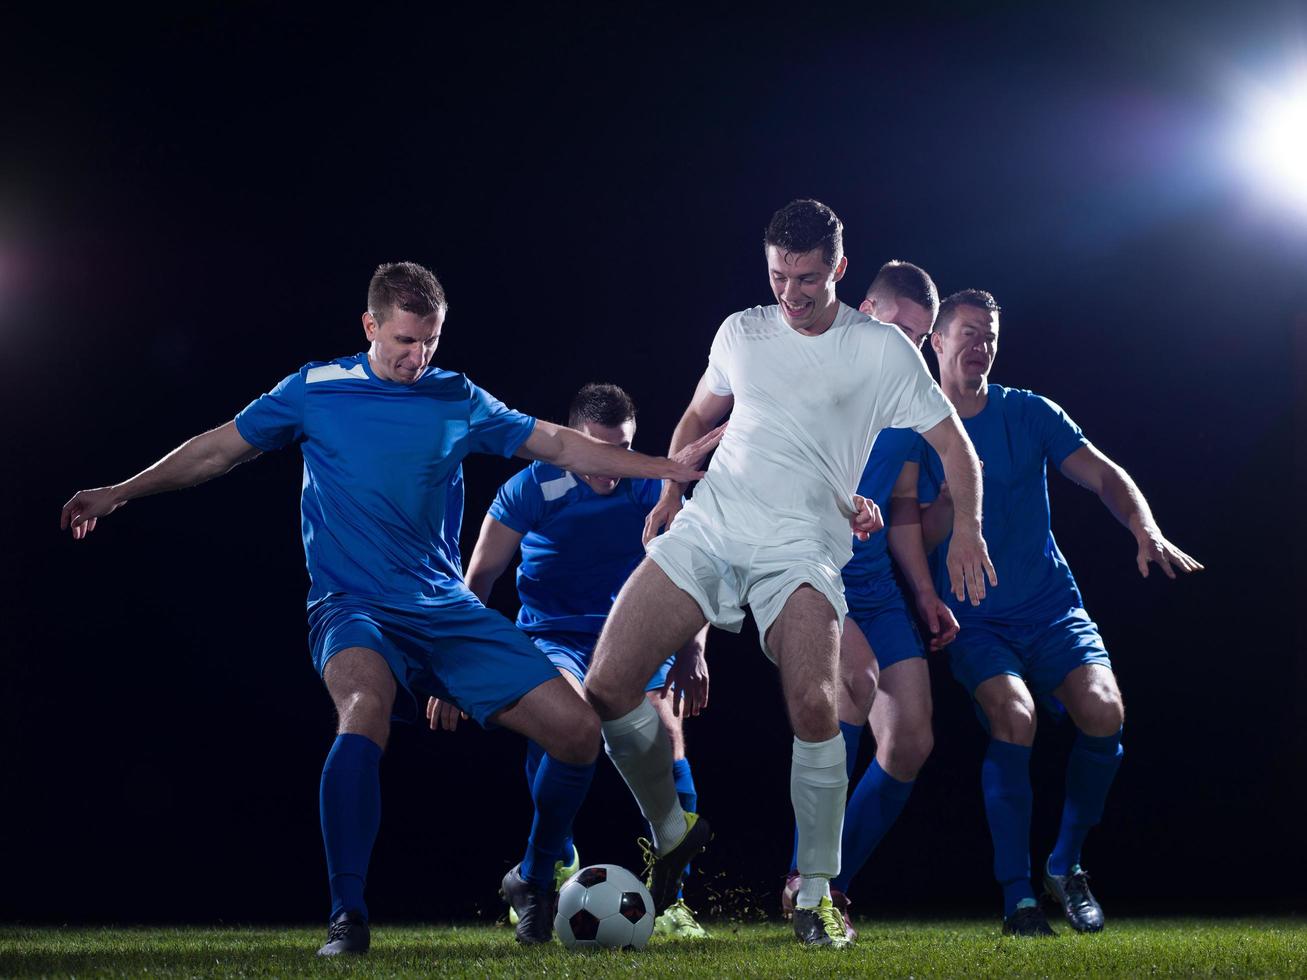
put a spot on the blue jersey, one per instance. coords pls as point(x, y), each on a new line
point(1016, 435)
point(868, 575)
point(578, 546)
point(382, 501)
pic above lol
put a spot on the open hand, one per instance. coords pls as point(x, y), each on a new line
point(1156, 549)
point(443, 714)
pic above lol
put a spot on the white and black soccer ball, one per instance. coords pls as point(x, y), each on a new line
point(604, 907)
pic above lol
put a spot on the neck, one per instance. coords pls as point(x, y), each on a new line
point(823, 322)
point(968, 397)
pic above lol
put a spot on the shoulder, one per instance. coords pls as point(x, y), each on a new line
point(448, 384)
point(753, 321)
point(1024, 400)
point(348, 369)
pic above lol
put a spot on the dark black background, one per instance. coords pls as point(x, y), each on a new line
point(192, 203)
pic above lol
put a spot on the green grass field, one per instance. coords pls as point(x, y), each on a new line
point(1157, 947)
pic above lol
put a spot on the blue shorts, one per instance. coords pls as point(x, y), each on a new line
point(461, 652)
point(887, 625)
point(572, 652)
point(1040, 655)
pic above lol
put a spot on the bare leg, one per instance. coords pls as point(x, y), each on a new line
point(900, 718)
point(363, 689)
point(859, 675)
point(805, 638)
point(555, 716)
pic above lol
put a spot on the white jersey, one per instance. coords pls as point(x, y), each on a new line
point(807, 411)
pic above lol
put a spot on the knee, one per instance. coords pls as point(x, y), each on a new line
point(1100, 715)
point(813, 715)
point(577, 743)
point(906, 752)
point(364, 708)
point(858, 693)
point(1012, 721)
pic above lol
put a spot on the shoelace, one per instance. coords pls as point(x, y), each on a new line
point(680, 914)
point(832, 922)
point(338, 930)
point(1077, 887)
point(650, 859)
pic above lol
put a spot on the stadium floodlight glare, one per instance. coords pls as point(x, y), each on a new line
point(1275, 146)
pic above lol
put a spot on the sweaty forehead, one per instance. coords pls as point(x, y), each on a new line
point(796, 263)
point(976, 318)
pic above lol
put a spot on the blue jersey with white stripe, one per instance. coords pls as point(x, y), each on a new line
point(869, 577)
point(578, 546)
point(1016, 435)
point(382, 500)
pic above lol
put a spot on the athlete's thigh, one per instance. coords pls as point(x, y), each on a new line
point(1091, 696)
point(902, 700)
point(859, 674)
point(806, 640)
point(1007, 707)
point(651, 619)
point(555, 715)
point(358, 671)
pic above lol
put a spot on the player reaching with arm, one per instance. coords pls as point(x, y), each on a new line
point(809, 382)
point(1033, 640)
point(383, 434)
point(579, 536)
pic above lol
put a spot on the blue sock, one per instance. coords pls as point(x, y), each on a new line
point(687, 794)
point(876, 803)
point(349, 804)
point(1089, 775)
point(1005, 780)
point(558, 793)
point(534, 756)
point(852, 742)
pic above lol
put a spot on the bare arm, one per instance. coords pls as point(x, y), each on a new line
point(495, 547)
point(571, 450)
point(196, 460)
point(705, 410)
point(1094, 471)
point(968, 558)
point(909, 551)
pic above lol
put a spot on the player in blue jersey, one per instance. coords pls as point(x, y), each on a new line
point(1032, 640)
point(383, 434)
point(579, 537)
point(885, 680)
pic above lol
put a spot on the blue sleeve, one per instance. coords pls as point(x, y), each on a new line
point(647, 491)
point(1058, 436)
point(276, 419)
point(493, 427)
point(519, 504)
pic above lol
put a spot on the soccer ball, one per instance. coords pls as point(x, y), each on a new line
point(604, 907)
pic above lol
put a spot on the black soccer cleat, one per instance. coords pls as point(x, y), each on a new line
point(663, 872)
point(534, 907)
point(822, 926)
point(347, 933)
point(1071, 891)
point(1027, 920)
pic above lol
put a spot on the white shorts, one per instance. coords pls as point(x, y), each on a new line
point(724, 576)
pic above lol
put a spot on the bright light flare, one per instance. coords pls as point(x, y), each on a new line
point(1274, 147)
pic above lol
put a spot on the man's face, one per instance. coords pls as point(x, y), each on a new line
point(967, 346)
point(402, 346)
point(909, 316)
point(804, 286)
point(615, 435)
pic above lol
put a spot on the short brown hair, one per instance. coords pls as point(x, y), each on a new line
point(405, 286)
point(978, 298)
point(601, 404)
point(804, 225)
point(903, 280)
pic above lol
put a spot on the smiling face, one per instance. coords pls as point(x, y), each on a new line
point(804, 286)
point(615, 435)
point(403, 344)
point(966, 346)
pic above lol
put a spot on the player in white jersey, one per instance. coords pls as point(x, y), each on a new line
point(809, 383)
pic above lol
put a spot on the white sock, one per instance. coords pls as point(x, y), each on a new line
point(818, 786)
point(812, 889)
point(642, 753)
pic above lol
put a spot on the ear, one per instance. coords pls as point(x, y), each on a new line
point(370, 326)
point(936, 342)
point(868, 306)
point(841, 267)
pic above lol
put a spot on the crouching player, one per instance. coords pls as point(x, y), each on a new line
point(579, 536)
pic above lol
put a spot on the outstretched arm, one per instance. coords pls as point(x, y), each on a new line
point(705, 410)
point(968, 558)
point(495, 547)
point(1094, 471)
point(571, 450)
point(908, 549)
point(198, 459)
